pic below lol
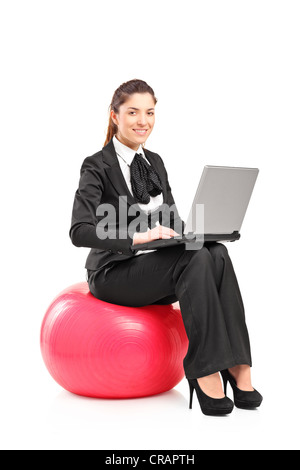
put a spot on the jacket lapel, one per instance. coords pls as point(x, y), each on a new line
point(114, 172)
point(115, 175)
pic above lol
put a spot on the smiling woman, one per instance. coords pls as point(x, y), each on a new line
point(127, 121)
point(203, 281)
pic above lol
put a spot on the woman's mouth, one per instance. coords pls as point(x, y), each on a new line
point(140, 131)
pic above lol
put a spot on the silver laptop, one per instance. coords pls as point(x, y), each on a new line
point(218, 208)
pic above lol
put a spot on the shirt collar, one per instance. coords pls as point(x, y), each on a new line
point(126, 152)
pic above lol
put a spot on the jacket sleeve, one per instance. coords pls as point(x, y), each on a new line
point(84, 219)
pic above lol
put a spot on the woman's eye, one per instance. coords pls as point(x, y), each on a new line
point(132, 113)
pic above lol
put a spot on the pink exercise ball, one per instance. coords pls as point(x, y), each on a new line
point(102, 350)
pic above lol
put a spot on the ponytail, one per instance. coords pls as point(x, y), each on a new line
point(111, 130)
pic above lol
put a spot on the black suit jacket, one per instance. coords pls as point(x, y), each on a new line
point(102, 182)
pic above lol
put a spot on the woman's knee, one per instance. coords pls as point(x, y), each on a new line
point(210, 254)
point(202, 256)
point(217, 249)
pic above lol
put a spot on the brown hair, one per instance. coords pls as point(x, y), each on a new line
point(120, 97)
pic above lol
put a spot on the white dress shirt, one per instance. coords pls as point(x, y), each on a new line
point(125, 156)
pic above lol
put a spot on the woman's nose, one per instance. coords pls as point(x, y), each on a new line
point(142, 119)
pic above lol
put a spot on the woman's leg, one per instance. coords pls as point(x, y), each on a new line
point(232, 303)
point(141, 280)
point(196, 288)
point(233, 308)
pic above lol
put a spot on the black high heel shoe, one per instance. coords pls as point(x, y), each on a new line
point(242, 399)
point(210, 406)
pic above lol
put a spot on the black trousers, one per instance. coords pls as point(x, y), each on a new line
point(204, 283)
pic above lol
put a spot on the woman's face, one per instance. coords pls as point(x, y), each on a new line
point(135, 120)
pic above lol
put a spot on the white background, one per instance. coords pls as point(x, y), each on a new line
point(226, 75)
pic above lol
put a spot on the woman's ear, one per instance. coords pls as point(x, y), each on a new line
point(114, 117)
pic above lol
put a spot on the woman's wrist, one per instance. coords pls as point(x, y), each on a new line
point(136, 238)
point(139, 237)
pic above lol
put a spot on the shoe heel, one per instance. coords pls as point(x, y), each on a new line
point(225, 382)
point(191, 394)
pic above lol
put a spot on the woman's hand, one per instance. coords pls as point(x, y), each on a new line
point(154, 234)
